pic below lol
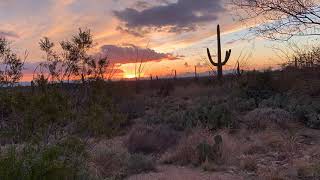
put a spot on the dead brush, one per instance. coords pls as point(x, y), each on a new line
point(186, 150)
point(270, 174)
point(150, 139)
point(263, 118)
point(108, 163)
point(249, 163)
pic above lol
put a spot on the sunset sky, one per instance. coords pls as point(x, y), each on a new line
point(173, 33)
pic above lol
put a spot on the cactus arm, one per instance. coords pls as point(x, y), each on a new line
point(210, 58)
point(228, 54)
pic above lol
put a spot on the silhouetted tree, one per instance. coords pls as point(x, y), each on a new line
point(74, 62)
point(281, 19)
point(53, 64)
point(11, 65)
point(78, 62)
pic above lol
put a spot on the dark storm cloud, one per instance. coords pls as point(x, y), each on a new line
point(184, 15)
point(8, 34)
point(142, 4)
point(131, 54)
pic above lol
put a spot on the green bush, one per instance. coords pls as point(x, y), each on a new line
point(110, 164)
point(64, 160)
point(258, 86)
point(33, 116)
point(212, 117)
point(277, 101)
point(206, 113)
point(241, 104)
point(306, 110)
point(309, 172)
point(139, 163)
point(38, 116)
point(114, 164)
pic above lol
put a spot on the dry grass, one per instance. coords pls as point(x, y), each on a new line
point(307, 169)
point(249, 163)
point(269, 141)
point(263, 118)
point(270, 174)
point(232, 148)
point(108, 163)
point(186, 150)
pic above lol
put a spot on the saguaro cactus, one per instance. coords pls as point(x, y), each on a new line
point(239, 71)
point(195, 72)
point(219, 64)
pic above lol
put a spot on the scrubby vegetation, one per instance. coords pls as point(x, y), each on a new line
point(92, 131)
point(71, 124)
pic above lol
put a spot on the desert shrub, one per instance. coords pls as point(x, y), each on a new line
point(255, 149)
point(271, 173)
point(210, 153)
point(249, 164)
point(166, 88)
point(277, 101)
point(212, 117)
point(38, 116)
point(242, 104)
point(309, 116)
point(305, 85)
point(139, 163)
point(98, 114)
point(151, 139)
point(133, 107)
point(113, 164)
point(258, 86)
point(200, 144)
point(262, 118)
point(99, 120)
point(212, 114)
point(28, 116)
point(309, 172)
point(65, 160)
point(173, 116)
point(306, 110)
point(109, 163)
point(186, 152)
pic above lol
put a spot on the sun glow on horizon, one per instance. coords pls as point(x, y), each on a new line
point(129, 76)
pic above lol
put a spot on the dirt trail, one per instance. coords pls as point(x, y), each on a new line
point(184, 173)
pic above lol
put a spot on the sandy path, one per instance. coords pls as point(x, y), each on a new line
point(184, 173)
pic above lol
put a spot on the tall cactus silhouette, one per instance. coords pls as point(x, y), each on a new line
point(219, 64)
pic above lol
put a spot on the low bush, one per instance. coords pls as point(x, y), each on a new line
point(241, 104)
point(277, 101)
point(263, 118)
point(139, 163)
point(212, 117)
point(133, 107)
point(306, 110)
point(206, 116)
point(108, 163)
point(186, 152)
point(65, 160)
point(309, 172)
point(258, 86)
point(151, 139)
point(249, 163)
point(39, 116)
point(33, 116)
point(113, 164)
